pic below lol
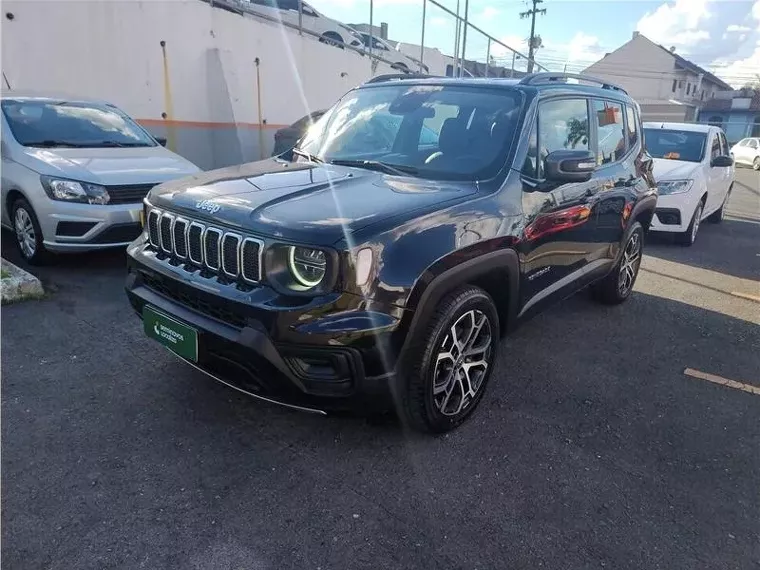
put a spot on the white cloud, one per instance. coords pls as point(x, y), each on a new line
point(679, 24)
point(736, 28)
point(742, 71)
point(438, 21)
point(488, 13)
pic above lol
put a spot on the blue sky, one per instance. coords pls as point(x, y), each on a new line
point(722, 35)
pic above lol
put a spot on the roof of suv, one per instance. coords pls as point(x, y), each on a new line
point(691, 127)
point(535, 81)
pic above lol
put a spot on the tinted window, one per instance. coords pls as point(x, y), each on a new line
point(675, 145)
point(611, 136)
point(562, 125)
point(631, 126)
point(49, 123)
point(744, 142)
point(752, 144)
point(475, 129)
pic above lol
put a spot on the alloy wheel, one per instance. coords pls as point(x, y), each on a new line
point(462, 363)
point(25, 234)
point(629, 265)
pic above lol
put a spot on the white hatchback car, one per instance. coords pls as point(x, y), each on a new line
point(747, 151)
point(694, 175)
point(75, 172)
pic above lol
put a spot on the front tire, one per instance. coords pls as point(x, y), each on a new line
point(449, 363)
point(28, 233)
point(688, 237)
point(756, 163)
point(617, 286)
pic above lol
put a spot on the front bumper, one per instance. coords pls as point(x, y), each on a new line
point(319, 355)
point(674, 212)
point(81, 227)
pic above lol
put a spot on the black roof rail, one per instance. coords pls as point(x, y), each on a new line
point(552, 77)
point(397, 76)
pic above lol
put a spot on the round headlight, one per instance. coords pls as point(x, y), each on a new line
point(307, 265)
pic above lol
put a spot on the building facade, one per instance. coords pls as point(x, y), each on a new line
point(738, 116)
point(667, 86)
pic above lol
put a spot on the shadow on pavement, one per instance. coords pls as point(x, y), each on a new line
point(731, 247)
point(591, 449)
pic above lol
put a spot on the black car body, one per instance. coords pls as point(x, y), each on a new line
point(463, 236)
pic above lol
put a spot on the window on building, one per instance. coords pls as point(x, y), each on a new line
point(675, 84)
point(716, 121)
point(756, 127)
point(688, 88)
point(611, 135)
point(680, 84)
point(703, 95)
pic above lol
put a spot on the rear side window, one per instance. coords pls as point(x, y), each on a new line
point(631, 126)
point(611, 135)
point(562, 125)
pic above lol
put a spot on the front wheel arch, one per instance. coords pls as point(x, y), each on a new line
point(496, 272)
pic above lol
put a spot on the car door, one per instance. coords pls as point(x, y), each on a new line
point(714, 175)
point(751, 151)
point(558, 252)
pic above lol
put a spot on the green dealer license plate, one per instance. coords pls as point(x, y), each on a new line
point(176, 336)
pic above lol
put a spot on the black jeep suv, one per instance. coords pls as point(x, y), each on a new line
point(418, 221)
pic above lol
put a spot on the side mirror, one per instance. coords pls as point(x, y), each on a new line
point(161, 140)
point(722, 162)
point(569, 165)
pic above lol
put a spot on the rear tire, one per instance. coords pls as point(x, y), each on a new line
point(26, 228)
point(448, 364)
point(617, 286)
point(756, 163)
point(688, 237)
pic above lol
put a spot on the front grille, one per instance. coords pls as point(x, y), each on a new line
point(205, 246)
point(194, 299)
point(129, 194)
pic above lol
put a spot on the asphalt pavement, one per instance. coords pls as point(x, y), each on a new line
point(591, 449)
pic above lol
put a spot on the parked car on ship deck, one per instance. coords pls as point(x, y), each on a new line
point(75, 172)
point(694, 175)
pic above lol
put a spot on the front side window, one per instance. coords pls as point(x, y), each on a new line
point(752, 143)
point(715, 149)
point(611, 135)
point(432, 131)
point(671, 144)
point(45, 123)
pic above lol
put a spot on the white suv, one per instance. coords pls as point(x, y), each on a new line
point(694, 175)
point(747, 151)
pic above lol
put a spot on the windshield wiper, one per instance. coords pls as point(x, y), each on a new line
point(116, 144)
point(307, 156)
point(49, 143)
point(397, 169)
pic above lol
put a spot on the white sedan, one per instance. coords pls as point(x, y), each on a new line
point(747, 151)
point(694, 175)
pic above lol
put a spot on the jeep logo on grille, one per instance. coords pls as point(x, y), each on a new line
point(209, 205)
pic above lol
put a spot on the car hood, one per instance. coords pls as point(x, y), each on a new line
point(110, 166)
point(666, 169)
point(313, 203)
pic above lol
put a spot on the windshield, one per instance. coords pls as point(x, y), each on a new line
point(434, 131)
point(675, 145)
point(73, 124)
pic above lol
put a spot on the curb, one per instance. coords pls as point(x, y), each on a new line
point(17, 285)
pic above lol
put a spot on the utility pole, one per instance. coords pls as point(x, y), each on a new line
point(532, 43)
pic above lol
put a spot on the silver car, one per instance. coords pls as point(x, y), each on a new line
point(75, 172)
